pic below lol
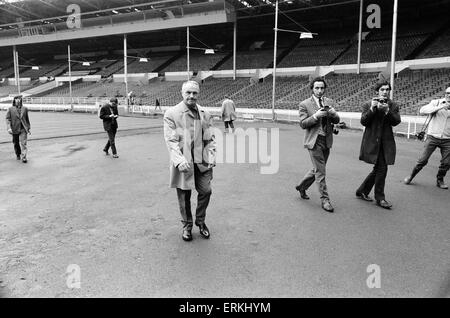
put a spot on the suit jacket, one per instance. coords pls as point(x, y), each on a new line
point(108, 122)
point(307, 109)
point(13, 120)
point(180, 130)
point(379, 131)
point(228, 110)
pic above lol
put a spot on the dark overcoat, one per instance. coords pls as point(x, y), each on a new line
point(108, 122)
point(378, 130)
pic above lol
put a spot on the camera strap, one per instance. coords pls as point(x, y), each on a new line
point(427, 122)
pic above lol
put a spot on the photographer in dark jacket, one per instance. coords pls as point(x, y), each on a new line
point(378, 145)
point(109, 114)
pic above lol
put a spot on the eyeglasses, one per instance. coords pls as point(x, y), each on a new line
point(447, 92)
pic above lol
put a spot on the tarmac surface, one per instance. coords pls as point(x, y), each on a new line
point(117, 222)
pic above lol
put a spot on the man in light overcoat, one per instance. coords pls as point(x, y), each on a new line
point(189, 135)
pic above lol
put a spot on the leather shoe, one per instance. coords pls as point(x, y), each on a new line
point(303, 194)
point(187, 235)
point(326, 205)
point(407, 180)
point(384, 204)
point(106, 152)
point(364, 197)
point(204, 231)
point(441, 184)
point(24, 160)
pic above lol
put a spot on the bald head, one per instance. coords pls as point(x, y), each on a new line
point(190, 90)
point(191, 85)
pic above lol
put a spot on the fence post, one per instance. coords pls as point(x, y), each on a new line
point(409, 127)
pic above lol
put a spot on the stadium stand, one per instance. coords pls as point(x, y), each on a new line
point(6, 90)
point(197, 62)
point(439, 47)
point(52, 68)
point(250, 60)
point(154, 61)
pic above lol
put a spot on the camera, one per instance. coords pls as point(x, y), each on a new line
point(382, 100)
point(420, 135)
point(325, 108)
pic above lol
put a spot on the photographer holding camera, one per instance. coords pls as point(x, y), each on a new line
point(378, 145)
point(438, 136)
point(317, 116)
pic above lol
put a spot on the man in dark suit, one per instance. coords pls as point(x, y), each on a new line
point(109, 114)
point(317, 116)
point(378, 117)
point(18, 125)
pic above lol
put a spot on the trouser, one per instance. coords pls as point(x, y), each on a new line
point(430, 146)
point(229, 123)
point(377, 177)
point(203, 188)
point(111, 141)
point(20, 143)
point(319, 157)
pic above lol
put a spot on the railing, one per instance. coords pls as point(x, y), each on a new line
point(409, 126)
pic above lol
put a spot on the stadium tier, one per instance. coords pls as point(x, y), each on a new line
point(420, 34)
point(348, 90)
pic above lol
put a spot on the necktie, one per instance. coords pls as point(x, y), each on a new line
point(323, 119)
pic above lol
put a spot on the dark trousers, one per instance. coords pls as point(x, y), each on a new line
point(377, 177)
point(20, 143)
point(203, 188)
point(319, 157)
point(16, 143)
point(430, 146)
point(229, 123)
point(111, 141)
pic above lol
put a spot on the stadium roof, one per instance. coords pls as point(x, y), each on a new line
point(13, 11)
point(255, 16)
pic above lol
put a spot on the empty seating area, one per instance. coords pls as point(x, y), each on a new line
point(213, 90)
point(249, 60)
point(259, 94)
point(148, 67)
point(439, 47)
point(380, 50)
point(197, 62)
point(63, 90)
point(312, 56)
point(6, 90)
point(7, 71)
point(415, 88)
point(112, 68)
point(45, 69)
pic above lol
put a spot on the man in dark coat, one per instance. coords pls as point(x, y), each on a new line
point(378, 145)
point(18, 125)
point(109, 114)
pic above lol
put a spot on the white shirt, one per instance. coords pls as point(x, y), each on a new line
point(320, 131)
